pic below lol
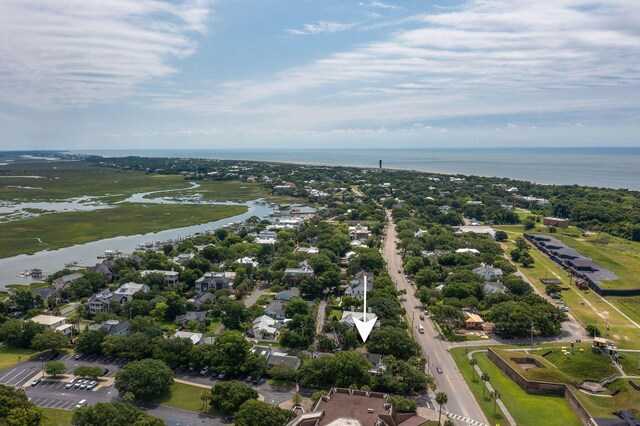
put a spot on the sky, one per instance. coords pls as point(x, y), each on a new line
point(197, 74)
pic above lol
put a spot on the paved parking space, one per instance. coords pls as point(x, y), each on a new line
point(54, 403)
point(17, 375)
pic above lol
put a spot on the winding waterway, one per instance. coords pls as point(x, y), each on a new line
point(54, 260)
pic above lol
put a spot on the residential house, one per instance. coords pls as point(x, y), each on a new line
point(356, 286)
point(276, 309)
point(51, 322)
point(309, 250)
point(183, 257)
point(170, 277)
point(275, 358)
point(201, 299)
point(359, 232)
point(488, 272)
point(295, 275)
point(494, 287)
point(101, 302)
point(213, 281)
point(49, 294)
point(287, 295)
point(113, 327)
point(473, 321)
point(248, 261)
point(476, 229)
point(349, 316)
point(104, 269)
point(266, 328)
point(196, 338)
point(468, 250)
point(63, 281)
point(198, 316)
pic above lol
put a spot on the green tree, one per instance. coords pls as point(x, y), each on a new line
point(19, 333)
point(50, 340)
point(283, 372)
point(148, 379)
point(501, 236)
point(90, 342)
point(269, 415)
point(15, 408)
point(392, 341)
point(173, 351)
point(296, 306)
point(113, 414)
point(88, 371)
point(528, 224)
point(234, 314)
point(402, 404)
point(441, 399)
point(54, 368)
point(496, 396)
point(473, 363)
point(229, 396)
point(230, 352)
point(485, 378)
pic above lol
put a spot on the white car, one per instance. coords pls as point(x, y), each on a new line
point(70, 384)
point(81, 403)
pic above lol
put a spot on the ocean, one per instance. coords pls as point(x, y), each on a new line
point(598, 167)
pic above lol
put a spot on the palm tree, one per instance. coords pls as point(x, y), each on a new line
point(485, 379)
point(473, 363)
point(496, 396)
point(441, 399)
point(205, 397)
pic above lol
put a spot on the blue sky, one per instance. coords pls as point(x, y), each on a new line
point(78, 74)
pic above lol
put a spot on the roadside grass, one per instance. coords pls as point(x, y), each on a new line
point(10, 356)
point(55, 417)
point(187, 397)
point(587, 307)
point(476, 385)
point(66, 229)
point(214, 324)
point(630, 363)
point(549, 410)
point(264, 299)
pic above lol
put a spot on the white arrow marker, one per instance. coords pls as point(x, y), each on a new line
point(365, 326)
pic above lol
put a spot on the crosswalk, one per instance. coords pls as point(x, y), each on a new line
point(463, 419)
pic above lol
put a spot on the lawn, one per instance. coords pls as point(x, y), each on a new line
point(586, 306)
point(10, 356)
point(549, 410)
point(601, 406)
point(70, 228)
point(54, 417)
point(186, 397)
point(264, 299)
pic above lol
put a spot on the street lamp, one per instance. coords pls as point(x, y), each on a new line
point(531, 334)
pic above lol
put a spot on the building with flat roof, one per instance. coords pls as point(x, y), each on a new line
point(555, 221)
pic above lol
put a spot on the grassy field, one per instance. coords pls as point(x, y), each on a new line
point(11, 356)
point(549, 410)
point(62, 180)
point(222, 191)
point(54, 417)
point(67, 229)
point(586, 306)
point(627, 399)
point(186, 397)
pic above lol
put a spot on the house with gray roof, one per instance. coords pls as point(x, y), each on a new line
point(356, 286)
point(494, 287)
point(113, 327)
point(63, 281)
point(276, 309)
point(201, 299)
point(198, 316)
point(213, 281)
point(289, 294)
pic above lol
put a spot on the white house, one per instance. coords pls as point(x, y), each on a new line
point(170, 277)
point(51, 322)
point(488, 272)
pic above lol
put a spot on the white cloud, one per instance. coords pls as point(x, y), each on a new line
point(75, 52)
point(382, 5)
point(321, 27)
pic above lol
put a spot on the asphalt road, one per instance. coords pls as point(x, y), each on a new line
point(461, 401)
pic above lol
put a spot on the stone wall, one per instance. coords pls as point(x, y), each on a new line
point(543, 388)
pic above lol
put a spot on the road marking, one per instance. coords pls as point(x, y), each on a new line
point(463, 419)
point(1, 378)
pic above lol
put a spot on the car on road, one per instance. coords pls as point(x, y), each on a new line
point(70, 384)
point(439, 369)
point(77, 356)
point(421, 316)
point(421, 329)
point(36, 381)
point(81, 404)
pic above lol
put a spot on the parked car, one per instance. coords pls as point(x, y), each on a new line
point(204, 371)
point(221, 376)
point(70, 384)
point(81, 404)
point(92, 384)
point(36, 381)
point(257, 380)
point(105, 371)
point(77, 356)
point(564, 309)
point(84, 384)
point(248, 379)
